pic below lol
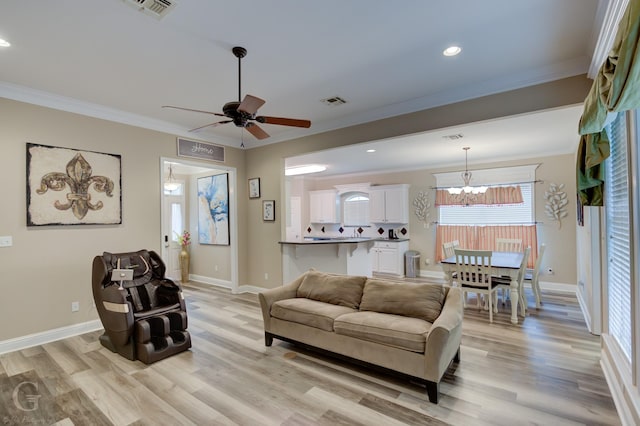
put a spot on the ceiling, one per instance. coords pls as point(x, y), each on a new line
point(106, 59)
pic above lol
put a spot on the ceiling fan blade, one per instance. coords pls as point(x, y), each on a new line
point(256, 131)
point(250, 104)
point(284, 121)
point(217, 123)
point(194, 110)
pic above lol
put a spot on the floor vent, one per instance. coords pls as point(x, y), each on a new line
point(156, 8)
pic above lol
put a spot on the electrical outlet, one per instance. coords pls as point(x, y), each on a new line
point(550, 270)
point(75, 306)
point(266, 276)
point(215, 268)
point(6, 241)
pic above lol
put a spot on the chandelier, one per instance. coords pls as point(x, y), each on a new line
point(171, 184)
point(466, 178)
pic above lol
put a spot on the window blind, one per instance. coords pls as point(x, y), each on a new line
point(617, 187)
point(356, 210)
point(503, 214)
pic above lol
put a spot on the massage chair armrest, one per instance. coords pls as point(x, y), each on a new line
point(443, 341)
point(116, 314)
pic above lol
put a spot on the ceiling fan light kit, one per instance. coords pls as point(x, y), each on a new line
point(243, 113)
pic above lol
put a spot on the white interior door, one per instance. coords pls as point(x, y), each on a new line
point(175, 223)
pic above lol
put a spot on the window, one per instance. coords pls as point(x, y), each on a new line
point(177, 225)
point(356, 209)
point(617, 189)
point(495, 215)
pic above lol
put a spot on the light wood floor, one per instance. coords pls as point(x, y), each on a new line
point(544, 371)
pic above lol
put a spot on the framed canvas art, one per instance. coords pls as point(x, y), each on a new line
point(254, 188)
point(213, 209)
point(269, 210)
point(71, 187)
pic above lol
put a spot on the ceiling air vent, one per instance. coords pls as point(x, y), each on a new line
point(156, 8)
point(454, 137)
point(334, 101)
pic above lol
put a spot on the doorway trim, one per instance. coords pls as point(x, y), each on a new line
point(233, 207)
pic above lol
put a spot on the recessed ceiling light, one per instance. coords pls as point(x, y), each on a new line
point(303, 170)
point(371, 150)
point(4, 43)
point(452, 51)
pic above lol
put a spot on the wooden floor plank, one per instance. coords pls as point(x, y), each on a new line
point(545, 370)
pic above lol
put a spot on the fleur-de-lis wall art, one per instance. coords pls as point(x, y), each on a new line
point(83, 192)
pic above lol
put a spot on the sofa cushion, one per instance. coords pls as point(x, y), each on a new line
point(392, 330)
point(422, 301)
point(308, 312)
point(344, 290)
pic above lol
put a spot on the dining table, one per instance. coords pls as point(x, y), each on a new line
point(503, 264)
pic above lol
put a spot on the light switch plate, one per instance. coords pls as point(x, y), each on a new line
point(6, 241)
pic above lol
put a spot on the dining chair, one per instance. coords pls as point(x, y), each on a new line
point(473, 270)
point(448, 248)
point(509, 244)
point(531, 276)
point(504, 283)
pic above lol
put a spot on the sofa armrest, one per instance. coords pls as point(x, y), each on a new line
point(443, 340)
point(269, 297)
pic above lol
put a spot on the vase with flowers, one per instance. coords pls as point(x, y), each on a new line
point(184, 240)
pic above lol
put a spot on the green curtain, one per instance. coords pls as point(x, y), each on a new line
point(615, 88)
point(592, 151)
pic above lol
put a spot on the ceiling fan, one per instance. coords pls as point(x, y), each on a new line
point(243, 114)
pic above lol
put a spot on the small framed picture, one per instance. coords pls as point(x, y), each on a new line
point(254, 188)
point(269, 210)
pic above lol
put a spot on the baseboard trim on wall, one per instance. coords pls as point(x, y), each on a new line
point(211, 281)
point(43, 337)
point(625, 395)
point(225, 284)
point(250, 289)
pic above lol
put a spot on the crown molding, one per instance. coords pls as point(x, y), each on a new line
point(76, 106)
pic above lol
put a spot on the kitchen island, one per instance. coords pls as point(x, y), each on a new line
point(341, 255)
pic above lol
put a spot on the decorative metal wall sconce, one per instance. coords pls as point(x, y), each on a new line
point(556, 203)
point(422, 206)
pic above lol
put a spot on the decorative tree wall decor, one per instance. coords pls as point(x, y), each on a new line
point(556, 203)
point(422, 206)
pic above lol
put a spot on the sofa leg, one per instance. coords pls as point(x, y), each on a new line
point(268, 339)
point(456, 357)
point(433, 390)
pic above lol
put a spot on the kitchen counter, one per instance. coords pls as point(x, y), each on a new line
point(340, 255)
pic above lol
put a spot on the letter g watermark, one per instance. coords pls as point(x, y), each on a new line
point(25, 396)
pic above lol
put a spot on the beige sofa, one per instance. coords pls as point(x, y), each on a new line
point(412, 329)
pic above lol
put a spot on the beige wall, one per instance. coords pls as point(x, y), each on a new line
point(267, 162)
point(49, 267)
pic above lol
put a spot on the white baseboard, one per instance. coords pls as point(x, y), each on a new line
point(619, 378)
point(43, 337)
point(250, 289)
point(211, 281)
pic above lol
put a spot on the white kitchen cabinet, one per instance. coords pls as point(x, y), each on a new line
point(389, 204)
point(323, 206)
point(388, 257)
